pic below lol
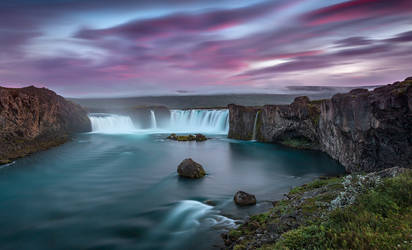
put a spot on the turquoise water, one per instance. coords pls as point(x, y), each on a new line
point(121, 191)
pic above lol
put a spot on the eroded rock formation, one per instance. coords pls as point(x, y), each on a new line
point(33, 119)
point(364, 130)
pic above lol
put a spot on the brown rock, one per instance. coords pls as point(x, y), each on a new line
point(244, 199)
point(200, 137)
point(190, 169)
point(33, 119)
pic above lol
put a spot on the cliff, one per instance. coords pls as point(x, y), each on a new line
point(33, 119)
point(364, 130)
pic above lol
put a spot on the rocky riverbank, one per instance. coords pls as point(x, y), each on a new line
point(371, 211)
point(364, 130)
point(34, 119)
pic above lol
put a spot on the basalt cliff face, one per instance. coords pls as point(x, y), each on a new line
point(364, 130)
point(33, 119)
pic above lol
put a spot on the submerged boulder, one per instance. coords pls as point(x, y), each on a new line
point(244, 199)
point(188, 168)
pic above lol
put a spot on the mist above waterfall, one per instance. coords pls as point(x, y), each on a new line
point(180, 121)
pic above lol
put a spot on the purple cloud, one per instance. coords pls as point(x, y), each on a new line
point(148, 47)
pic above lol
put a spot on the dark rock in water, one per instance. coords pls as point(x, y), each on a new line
point(190, 169)
point(172, 137)
point(34, 119)
point(200, 137)
point(244, 199)
point(364, 130)
point(197, 137)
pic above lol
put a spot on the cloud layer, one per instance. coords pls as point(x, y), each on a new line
point(104, 48)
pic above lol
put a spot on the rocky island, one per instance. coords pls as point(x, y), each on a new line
point(34, 119)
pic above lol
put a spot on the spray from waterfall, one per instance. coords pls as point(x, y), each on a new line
point(153, 119)
point(255, 126)
point(111, 124)
point(200, 120)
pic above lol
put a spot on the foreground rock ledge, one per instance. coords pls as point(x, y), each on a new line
point(309, 208)
point(244, 199)
point(188, 168)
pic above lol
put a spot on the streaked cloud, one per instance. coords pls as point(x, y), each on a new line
point(115, 48)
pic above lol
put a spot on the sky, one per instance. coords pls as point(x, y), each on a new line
point(103, 48)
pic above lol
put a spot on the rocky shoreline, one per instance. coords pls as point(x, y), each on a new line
point(306, 217)
point(34, 119)
point(364, 130)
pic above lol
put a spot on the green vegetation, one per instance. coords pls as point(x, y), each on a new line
point(317, 184)
point(197, 137)
point(380, 217)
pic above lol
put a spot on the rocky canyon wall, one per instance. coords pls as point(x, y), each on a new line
point(364, 130)
point(33, 119)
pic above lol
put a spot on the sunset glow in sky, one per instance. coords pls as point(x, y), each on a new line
point(127, 48)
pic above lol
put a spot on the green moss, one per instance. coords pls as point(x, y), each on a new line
point(197, 137)
point(317, 184)
point(239, 247)
point(4, 161)
point(235, 233)
point(260, 218)
point(380, 219)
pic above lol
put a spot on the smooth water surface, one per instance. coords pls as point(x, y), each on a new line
point(121, 191)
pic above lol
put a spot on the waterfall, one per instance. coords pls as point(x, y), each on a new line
point(153, 122)
point(181, 121)
point(254, 126)
point(111, 124)
point(200, 121)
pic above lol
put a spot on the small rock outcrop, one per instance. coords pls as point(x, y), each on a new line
point(244, 199)
point(188, 168)
point(197, 137)
point(33, 119)
point(364, 130)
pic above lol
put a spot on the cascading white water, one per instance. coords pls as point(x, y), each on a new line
point(254, 126)
point(200, 121)
point(181, 121)
point(153, 122)
point(111, 124)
